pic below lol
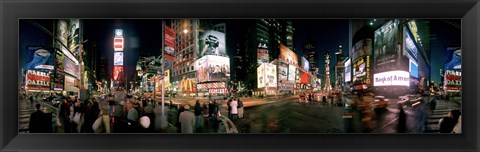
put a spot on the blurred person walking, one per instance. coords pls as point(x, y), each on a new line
point(446, 124)
point(187, 120)
point(240, 108)
point(178, 124)
point(64, 115)
point(402, 120)
point(102, 123)
point(198, 115)
point(234, 109)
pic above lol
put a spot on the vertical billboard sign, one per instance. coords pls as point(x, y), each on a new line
point(362, 48)
point(291, 73)
point(413, 68)
point(410, 46)
point(62, 33)
point(117, 72)
point(282, 72)
point(118, 41)
point(118, 58)
point(270, 75)
point(288, 55)
point(212, 42)
point(453, 69)
point(348, 70)
point(261, 76)
point(305, 65)
point(74, 37)
point(262, 54)
point(386, 48)
point(169, 36)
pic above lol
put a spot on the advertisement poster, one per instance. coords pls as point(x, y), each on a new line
point(305, 65)
point(261, 76)
point(118, 43)
point(304, 79)
point(40, 58)
point(118, 58)
point(213, 68)
point(453, 80)
point(392, 78)
point(270, 75)
point(288, 55)
point(359, 66)
point(74, 37)
point(71, 68)
point(262, 56)
point(59, 58)
point(348, 70)
point(298, 73)
point(282, 71)
point(291, 73)
point(117, 72)
point(58, 80)
point(38, 80)
point(386, 49)
point(410, 46)
point(169, 42)
point(70, 84)
point(211, 42)
point(413, 68)
point(62, 34)
point(453, 58)
point(362, 48)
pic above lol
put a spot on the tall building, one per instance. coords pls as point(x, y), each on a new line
point(327, 86)
point(186, 40)
point(339, 68)
point(310, 53)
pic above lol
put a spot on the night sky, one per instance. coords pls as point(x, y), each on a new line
point(144, 37)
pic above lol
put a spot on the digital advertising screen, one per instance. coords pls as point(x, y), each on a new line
point(118, 58)
point(392, 78)
point(213, 68)
point(288, 55)
point(386, 47)
point(40, 58)
point(211, 42)
point(305, 64)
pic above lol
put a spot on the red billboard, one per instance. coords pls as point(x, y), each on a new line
point(304, 78)
point(38, 80)
point(169, 36)
point(117, 72)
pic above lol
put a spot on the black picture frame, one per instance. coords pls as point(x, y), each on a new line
point(12, 11)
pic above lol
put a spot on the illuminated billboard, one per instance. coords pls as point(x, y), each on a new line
point(305, 64)
point(38, 80)
point(410, 46)
point(291, 73)
point(213, 68)
point(453, 80)
point(392, 78)
point(348, 70)
point(386, 47)
point(262, 56)
point(413, 68)
point(118, 58)
point(117, 72)
point(40, 58)
point(282, 71)
point(288, 55)
point(74, 37)
point(169, 36)
point(212, 42)
point(71, 68)
point(118, 44)
point(453, 69)
point(267, 75)
point(362, 48)
point(359, 68)
point(453, 58)
point(71, 84)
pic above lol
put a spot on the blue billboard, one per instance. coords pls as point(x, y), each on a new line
point(410, 46)
point(40, 58)
point(413, 69)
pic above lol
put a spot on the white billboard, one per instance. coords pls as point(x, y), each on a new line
point(392, 78)
point(70, 84)
point(118, 58)
point(267, 75)
point(213, 68)
point(348, 70)
point(291, 72)
point(211, 42)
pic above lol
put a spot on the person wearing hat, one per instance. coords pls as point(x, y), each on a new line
point(187, 120)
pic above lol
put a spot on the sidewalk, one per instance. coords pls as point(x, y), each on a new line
point(247, 102)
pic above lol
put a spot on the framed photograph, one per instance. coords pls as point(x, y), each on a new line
point(239, 75)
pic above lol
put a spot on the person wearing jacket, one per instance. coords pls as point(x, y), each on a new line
point(187, 120)
point(198, 115)
point(102, 124)
point(234, 109)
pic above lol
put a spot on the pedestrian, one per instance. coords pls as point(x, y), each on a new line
point(187, 120)
point(229, 109)
point(178, 124)
point(102, 123)
point(458, 126)
point(31, 99)
point(198, 115)
point(402, 120)
point(36, 121)
point(433, 105)
point(47, 123)
point(64, 115)
point(211, 109)
point(132, 115)
point(240, 108)
point(446, 124)
point(90, 116)
point(234, 109)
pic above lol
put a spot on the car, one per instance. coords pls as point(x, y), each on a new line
point(380, 102)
